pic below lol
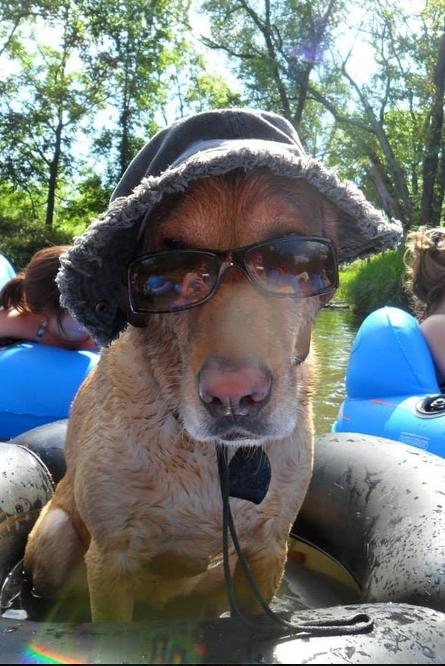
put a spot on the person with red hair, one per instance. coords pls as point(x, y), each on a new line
point(30, 307)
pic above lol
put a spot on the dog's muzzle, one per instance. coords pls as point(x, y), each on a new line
point(234, 392)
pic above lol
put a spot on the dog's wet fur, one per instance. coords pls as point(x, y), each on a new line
point(139, 509)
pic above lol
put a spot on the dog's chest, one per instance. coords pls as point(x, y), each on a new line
point(169, 512)
point(182, 536)
point(181, 500)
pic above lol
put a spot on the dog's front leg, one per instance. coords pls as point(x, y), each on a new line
point(54, 553)
point(267, 570)
point(111, 596)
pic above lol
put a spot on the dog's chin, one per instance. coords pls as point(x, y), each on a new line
point(238, 439)
point(230, 433)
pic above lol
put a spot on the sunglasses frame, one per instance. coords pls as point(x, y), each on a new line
point(234, 258)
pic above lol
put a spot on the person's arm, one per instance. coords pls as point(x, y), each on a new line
point(433, 329)
point(47, 336)
point(34, 328)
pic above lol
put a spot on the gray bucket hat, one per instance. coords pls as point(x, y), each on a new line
point(92, 277)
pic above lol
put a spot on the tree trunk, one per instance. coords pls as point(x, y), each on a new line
point(380, 185)
point(53, 175)
point(433, 183)
point(393, 165)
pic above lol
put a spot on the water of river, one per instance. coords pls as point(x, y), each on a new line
point(333, 335)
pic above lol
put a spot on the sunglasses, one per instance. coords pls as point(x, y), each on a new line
point(290, 266)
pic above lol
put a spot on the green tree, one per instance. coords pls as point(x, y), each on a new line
point(433, 165)
point(95, 73)
point(373, 109)
point(279, 51)
point(149, 60)
point(400, 110)
point(44, 103)
point(195, 89)
point(13, 14)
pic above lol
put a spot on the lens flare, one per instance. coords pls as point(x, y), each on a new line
point(37, 653)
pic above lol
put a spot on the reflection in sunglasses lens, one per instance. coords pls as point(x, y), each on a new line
point(171, 281)
point(293, 267)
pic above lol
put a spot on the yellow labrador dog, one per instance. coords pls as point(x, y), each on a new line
point(202, 280)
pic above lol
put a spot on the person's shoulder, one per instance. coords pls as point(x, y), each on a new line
point(434, 323)
point(433, 319)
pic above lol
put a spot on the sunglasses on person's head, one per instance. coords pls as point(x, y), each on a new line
point(291, 266)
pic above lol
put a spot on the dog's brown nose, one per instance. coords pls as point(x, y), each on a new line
point(234, 388)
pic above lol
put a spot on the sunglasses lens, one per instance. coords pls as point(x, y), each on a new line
point(172, 280)
point(296, 267)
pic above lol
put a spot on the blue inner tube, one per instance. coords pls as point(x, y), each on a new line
point(376, 506)
point(391, 384)
point(6, 270)
point(38, 384)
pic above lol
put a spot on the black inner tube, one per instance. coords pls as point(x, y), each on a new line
point(378, 507)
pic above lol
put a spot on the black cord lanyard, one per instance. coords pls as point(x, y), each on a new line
point(356, 624)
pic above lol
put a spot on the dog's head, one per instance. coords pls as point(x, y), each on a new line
point(230, 277)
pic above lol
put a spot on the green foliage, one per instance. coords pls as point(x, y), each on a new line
point(22, 230)
point(209, 91)
point(20, 242)
point(280, 53)
point(141, 42)
point(362, 83)
point(82, 205)
point(95, 75)
point(46, 99)
point(368, 284)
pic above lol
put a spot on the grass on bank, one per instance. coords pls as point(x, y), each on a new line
point(368, 284)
